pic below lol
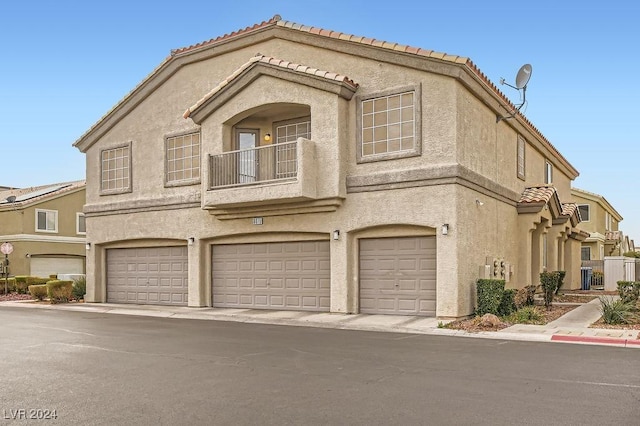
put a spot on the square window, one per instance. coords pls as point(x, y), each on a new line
point(46, 220)
point(391, 121)
point(115, 169)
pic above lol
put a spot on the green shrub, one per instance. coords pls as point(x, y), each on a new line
point(38, 291)
point(629, 291)
point(561, 275)
point(616, 311)
point(549, 284)
point(79, 288)
point(507, 304)
point(526, 315)
point(53, 276)
point(59, 291)
point(21, 285)
point(489, 296)
point(631, 254)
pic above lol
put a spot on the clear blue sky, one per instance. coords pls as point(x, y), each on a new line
point(65, 63)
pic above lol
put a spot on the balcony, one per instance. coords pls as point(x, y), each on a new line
point(263, 176)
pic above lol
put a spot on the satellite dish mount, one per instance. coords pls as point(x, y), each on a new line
point(522, 79)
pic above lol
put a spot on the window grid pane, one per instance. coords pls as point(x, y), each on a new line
point(183, 157)
point(286, 162)
point(388, 124)
point(115, 169)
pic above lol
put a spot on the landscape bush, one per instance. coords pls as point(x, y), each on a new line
point(21, 285)
point(59, 291)
point(561, 275)
point(525, 296)
point(617, 311)
point(10, 285)
point(549, 284)
point(38, 291)
point(527, 315)
point(79, 288)
point(629, 291)
point(489, 294)
point(507, 304)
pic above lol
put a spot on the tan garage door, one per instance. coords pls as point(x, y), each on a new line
point(398, 276)
point(287, 275)
point(150, 275)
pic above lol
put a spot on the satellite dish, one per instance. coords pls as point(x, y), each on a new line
point(11, 199)
point(522, 79)
point(523, 76)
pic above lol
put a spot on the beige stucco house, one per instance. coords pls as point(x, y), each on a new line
point(602, 222)
point(46, 226)
point(289, 167)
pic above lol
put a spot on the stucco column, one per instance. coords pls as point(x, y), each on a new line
point(572, 264)
point(344, 287)
point(523, 267)
point(96, 288)
point(197, 291)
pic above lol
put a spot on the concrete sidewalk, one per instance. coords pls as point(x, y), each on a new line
point(573, 327)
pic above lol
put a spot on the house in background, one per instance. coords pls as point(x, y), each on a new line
point(329, 172)
point(45, 225)
point(602, 222)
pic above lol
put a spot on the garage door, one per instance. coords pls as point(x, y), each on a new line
point(45, 266)
point(398, 276)
point(151, 275)
point(287, 276)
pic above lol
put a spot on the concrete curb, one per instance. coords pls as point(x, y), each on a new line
point(590, 340)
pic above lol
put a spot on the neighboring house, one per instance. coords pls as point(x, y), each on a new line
point(45, 225)
point(601, 221)
point(328, 173)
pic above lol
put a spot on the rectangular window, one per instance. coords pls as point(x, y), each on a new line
point(46, 220)
point(389, 125)
point(548, 173)
point(585, 253)
point(116, 170)
point(584, 212)
point(81, 227)
point(286, 156)
point(521, 157)
point(183, 159)
point(607, 221)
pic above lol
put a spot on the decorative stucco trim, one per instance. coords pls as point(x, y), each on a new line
point(263, 65)
point(137, 206)
point(446, 174)
point(42, 239)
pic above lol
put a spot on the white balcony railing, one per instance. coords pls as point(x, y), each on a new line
point(255, 165)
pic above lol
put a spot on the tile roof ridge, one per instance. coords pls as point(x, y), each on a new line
point(276, 18)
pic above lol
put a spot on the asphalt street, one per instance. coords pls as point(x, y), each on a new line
point(95, 369)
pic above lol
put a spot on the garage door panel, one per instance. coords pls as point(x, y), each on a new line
point(288, 275)
point(149, 275)
point(398, 275)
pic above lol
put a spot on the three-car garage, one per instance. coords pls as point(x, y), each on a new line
point(396, 275)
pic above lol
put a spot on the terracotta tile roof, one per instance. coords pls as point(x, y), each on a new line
point(277, 20)
point(40, 193)
point(303, 69)
point(570, 208)
point(537, 194)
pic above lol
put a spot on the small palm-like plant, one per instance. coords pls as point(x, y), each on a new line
point(617, 311)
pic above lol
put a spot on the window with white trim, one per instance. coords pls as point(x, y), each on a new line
point(116, 169)
point(46, 220)
point(183, 159)
point(521, 157)
point(81, 227)
point(389, 125)
point(548, 172)
point(584, 210)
